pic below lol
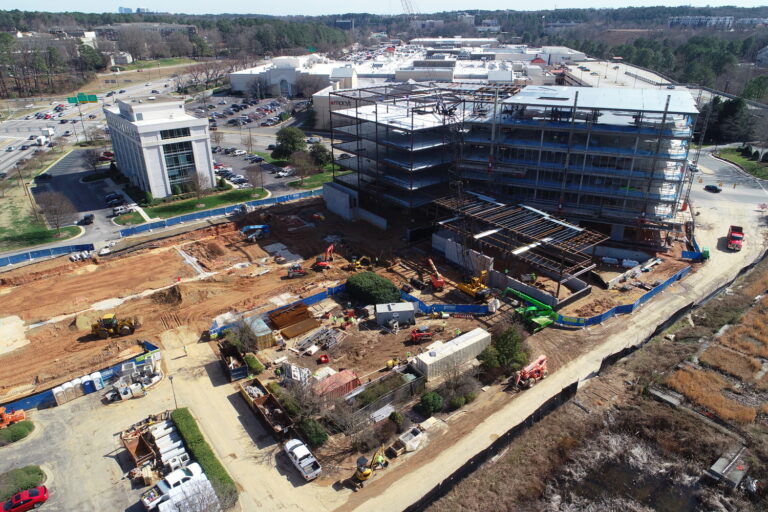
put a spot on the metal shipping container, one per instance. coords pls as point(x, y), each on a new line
point(403, 312)
point(441, 357)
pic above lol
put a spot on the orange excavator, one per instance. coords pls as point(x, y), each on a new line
point(532, 373)
point(323, 262)
point(7, 419)
point(438, 283)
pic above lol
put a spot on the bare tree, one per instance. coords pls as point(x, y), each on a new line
point(4, 185)
point(56, 207)
point(92, 158)
point(132, 41)
point(247, 140)
point(199, 184)
point(302, 163)
point(307, 85)
point(241, 336)
point(254, 173)
point(216, 137)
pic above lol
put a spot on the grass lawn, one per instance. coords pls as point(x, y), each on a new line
point(757, 169)
point(20, 479)
point(165, 211)
point(16, 432)
point(129, 219)
point(268, 158)
point(315, 180)
point(151, 64)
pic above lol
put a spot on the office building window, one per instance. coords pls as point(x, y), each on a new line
point(175, 133)
point(179, 161)
point(139, 117)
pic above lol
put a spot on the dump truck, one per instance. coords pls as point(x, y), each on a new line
point(538, 315)
point(109, 325)
point(232, 361)
point(735, 238)
point(302, 459)
point(266, 407)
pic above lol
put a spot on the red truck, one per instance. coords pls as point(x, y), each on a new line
point(735, 238)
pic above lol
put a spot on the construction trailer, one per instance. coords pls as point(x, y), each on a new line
point(441, 357)
point(404, 313)
point(337, 385)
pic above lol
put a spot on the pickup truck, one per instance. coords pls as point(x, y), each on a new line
point(160, 492)
point(735, 238)
point(303, 459)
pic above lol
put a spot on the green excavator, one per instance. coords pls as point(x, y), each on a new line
point(537, 315)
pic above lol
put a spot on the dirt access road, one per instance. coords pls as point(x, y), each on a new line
point(399, 489)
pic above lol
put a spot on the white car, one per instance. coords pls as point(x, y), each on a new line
point(286, 172)
point(238, 152)
point(314, 140)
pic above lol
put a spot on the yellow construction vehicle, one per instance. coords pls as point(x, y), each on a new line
point(476, 287)
point(109, 325)
point(365, 468)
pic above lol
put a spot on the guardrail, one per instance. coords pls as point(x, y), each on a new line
point(43, 253)
point(216, 212)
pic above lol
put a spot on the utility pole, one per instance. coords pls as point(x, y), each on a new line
point(26, 191)
point(85, 132)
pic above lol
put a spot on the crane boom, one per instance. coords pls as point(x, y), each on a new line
point(409, 8)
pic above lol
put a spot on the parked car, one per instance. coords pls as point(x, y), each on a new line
point(256, 159)
point(103, 158)
point(238, 152)
point(314, 140)
point(271, 147)
point(344, 156)
point(26, 500)
point(113, 195)
point(115, 202)
point(87, 219)
point(120, 210)
point(302, 459)
point(712, 188)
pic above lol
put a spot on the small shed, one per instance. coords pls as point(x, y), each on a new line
point(338, 384)
point(403, 312)
point(260, 329)
point(441, 357)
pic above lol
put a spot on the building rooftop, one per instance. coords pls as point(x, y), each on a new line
point(646, 100)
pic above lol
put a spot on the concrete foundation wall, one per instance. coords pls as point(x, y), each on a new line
point(501, 281)
point(621, 254)
point(372, 218)
point(340, 200)
point(473, 260)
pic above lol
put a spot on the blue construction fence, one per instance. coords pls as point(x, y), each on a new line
point(624, 309)
point(696, 254)
point(469, 309)
point(45, 398)
point(44, 253)
point(217, 212)
point(217, 329)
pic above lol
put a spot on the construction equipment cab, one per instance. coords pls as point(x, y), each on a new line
point(532, 373)
point(110, 325)
point(253, 233)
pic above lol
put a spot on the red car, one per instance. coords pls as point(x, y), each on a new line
point(27, 500)
point(104, 159)
point(108, 153)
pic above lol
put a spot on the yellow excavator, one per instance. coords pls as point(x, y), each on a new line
point(365, 468)
point(476, 287)
point(110, 325)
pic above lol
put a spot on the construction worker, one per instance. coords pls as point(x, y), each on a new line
point(457, 332)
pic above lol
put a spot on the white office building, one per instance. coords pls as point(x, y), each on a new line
point(158, 145)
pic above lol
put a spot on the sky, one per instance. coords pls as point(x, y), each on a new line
point(318, 7)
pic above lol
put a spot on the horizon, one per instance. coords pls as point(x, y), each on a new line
point(390, 7)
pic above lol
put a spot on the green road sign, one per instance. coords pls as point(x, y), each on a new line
point(81, 97)
point(92, 98)
point(73, 99)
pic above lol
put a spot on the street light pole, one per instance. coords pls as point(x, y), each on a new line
point(175, 403)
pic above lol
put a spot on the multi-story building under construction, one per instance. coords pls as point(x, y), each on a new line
point(612, 159)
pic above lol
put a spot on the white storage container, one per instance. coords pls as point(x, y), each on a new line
point(98, 382)
point(442, 357)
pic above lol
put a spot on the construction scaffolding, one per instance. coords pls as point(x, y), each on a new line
point(540, 240)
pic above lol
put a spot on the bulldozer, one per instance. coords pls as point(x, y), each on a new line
point(476, 287)
point(532, 373)
point(8, 419)
point(110, 325)
point(365, 468)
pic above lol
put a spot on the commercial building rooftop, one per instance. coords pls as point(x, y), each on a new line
point(604, 98)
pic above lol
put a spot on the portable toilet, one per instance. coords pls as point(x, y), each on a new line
point(88, 386)
point(59, 395)
point(69, 390)
point(98, 383)
point(77, 385)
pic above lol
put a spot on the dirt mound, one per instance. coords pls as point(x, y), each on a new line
point(12, 334)
point(170, 296)
point(83, 321)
